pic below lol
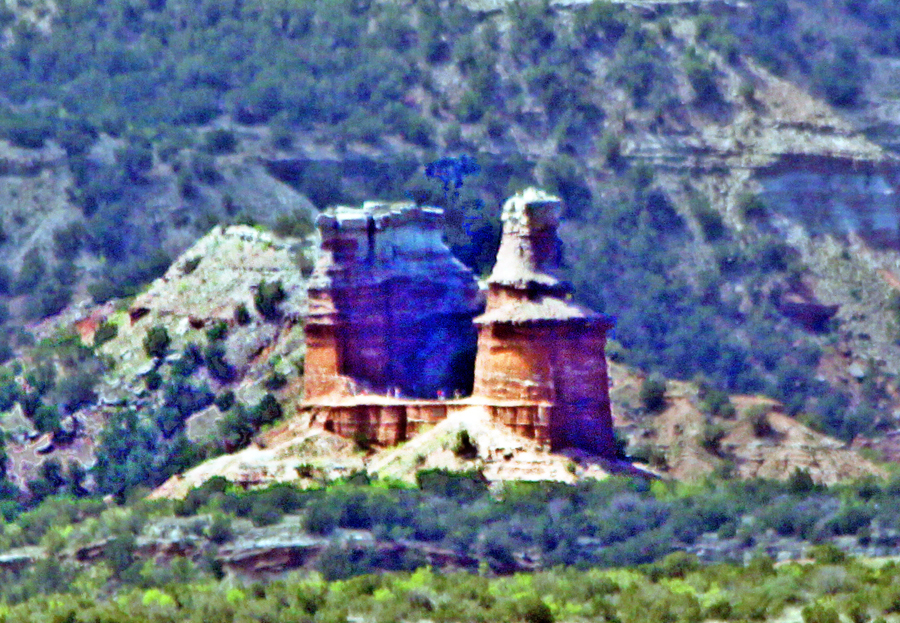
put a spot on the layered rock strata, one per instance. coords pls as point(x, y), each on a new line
point(391, 331)
point(535, 346)
point(390, 308)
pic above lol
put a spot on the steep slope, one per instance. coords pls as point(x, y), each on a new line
point(220, 352)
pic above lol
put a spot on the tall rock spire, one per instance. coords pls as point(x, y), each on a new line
point(536, 345)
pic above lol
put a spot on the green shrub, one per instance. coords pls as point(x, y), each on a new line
point(220, 530)
point(28, 132)
point(298, 224)
point(76, 390)
point(535, 610)
point(758, 416)
point(153, 380)
point(156, 342)
point(267, 410)
point(471, 107)
point(701, 75)
point(225, 400)
point(203, 168)
point(275, 381)
point(653, 394)
point(716, 403)
point(452, 135)
point(67, 241)
point(820, 613)
point(800, 482)
point(191, 359)
point(712, 225)
point(105, 332)
point(136, 159)
point(41, 378)
point(751, 207)
point(610, 148)
point(217, 331)
point(322, 518)
point(457, 485)
point(31, 271)
point(840, 78)
point(242, 315)
point(218, 142)
point(464, 446)
point(46, 418)
point(712, 437)
point(268, 297)
point(417, 130)
point(218, 366)
point(600, 22)
point(190, 265)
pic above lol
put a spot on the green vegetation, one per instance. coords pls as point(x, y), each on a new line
point(653, 394)
point(613, 550)
point(183, 84)
point(156, 342)
point(267, 298)
point(165, 78)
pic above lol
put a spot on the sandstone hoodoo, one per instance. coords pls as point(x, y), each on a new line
point(536, 347)
point(392, 328)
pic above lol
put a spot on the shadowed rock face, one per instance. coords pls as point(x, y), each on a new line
point(390, 308)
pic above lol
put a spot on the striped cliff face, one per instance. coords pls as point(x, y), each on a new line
point(835, 197)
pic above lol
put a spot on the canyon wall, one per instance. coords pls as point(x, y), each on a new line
point(837, 197)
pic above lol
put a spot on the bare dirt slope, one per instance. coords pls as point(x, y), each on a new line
point(682, 441)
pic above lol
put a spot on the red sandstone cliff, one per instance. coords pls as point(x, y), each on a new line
point(391, 320)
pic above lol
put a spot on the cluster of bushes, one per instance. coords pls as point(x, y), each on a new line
point(787, 41)
point(676, 590)
point(156, 81)
point(571, 532)
point(61, 383)
point(611, 523)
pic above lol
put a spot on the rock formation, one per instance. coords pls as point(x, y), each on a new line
point(536, 347)
point(390, 308)
point(390, 335)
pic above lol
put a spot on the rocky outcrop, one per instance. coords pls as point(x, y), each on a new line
point(390, 308)
point(535, 345)
point(391, 316)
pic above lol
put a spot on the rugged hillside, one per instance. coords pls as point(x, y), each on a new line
point(682, 440)
point(729, 174)
point(173, 367)
point(161, 404)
